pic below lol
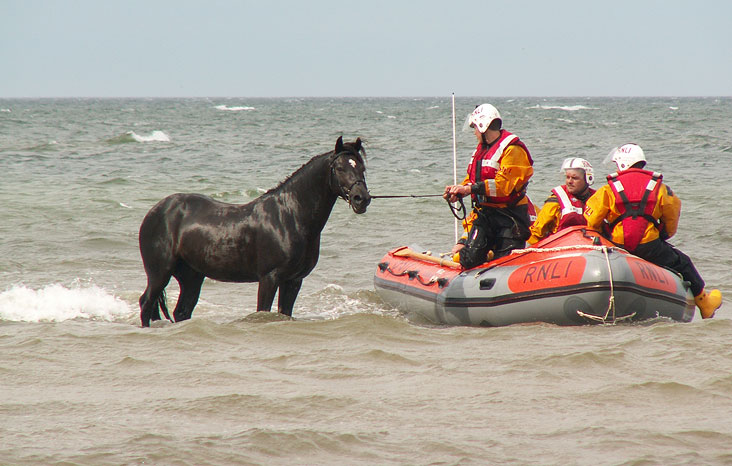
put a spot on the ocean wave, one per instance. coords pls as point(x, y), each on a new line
point(56, 303)
point(391, 117)
point(233, 109)
point(566, 108)
point(48, 146)
point(333, 302)
point(131, 136)
point(233, 195)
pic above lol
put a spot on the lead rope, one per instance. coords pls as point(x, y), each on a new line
point(611, 301)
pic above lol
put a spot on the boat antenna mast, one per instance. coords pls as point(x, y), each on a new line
point(454, 159)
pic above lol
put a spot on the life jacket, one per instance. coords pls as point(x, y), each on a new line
point(636, 193)
point(572, 208)
point(486, 162)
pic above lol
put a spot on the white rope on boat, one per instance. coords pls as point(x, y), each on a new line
point(562, 248)
point(610, 317)
point(611, 301)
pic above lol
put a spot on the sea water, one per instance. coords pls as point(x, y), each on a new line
point(349, 380)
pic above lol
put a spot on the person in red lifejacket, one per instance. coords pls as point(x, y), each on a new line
point(566, 204)
point(643, 213)
point(498, 174)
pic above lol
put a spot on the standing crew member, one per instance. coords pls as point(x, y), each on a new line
point(643, 213)
point(566, 204)
point(498, 174)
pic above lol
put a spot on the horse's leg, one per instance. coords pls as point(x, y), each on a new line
point(288, 294)
point(190, 283)
point(266, 292)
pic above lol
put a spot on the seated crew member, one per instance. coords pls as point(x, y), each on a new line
point(643, 213)
point(498, 174)
point(565, 205)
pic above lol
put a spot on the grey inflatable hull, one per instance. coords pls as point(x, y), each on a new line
point(576, 278)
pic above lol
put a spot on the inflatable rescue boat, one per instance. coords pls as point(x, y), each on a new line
point(573, 277)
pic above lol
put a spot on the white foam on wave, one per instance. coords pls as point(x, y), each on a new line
point(5, 110)
point(566, 108)
point(233, 109)
point(56, 303)
point(333, 302)
point(155, 136)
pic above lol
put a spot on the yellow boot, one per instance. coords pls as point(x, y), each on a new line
point(708, 302)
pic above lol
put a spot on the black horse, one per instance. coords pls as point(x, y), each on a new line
point(273, 240)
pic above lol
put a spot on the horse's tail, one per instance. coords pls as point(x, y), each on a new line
point(150, 308)
point(163, 303)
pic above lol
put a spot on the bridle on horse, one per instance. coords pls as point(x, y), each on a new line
point(343, 193)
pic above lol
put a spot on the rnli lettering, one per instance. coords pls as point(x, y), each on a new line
point(651, 276)
point(548, 274)
point(648, 273)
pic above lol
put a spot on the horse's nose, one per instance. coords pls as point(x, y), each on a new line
point(363, 199)
point(360, 200)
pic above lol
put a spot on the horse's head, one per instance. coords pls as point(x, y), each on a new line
point(347, 174)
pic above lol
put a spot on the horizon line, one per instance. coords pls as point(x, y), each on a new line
point(364, 96)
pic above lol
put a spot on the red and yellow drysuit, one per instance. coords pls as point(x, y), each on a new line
point(500, 173)
point(637, 205)
point(561, 210)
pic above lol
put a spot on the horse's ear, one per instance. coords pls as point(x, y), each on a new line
point(339, 145)
point(357, 145)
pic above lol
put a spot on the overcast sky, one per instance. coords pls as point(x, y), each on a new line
point(270, 48)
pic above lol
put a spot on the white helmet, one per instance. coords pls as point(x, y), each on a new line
point(626, 156)
point(580, 164)
point(483, 116)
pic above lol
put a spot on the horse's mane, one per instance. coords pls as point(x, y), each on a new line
point(347, 147)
